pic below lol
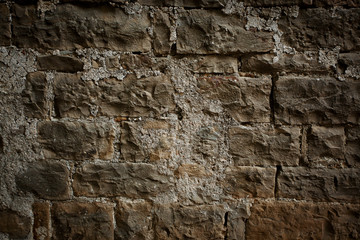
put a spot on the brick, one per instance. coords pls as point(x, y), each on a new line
point(42, 221)
point(77, 220)
point(60, 63)
point(352, 147)
point(14, 224)
point(264, 145)
point(76, 140)
point(5, 25)
point(307, 100)
point(133, 180)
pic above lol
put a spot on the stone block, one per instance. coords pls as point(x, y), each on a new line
point(352, 147)
point(14, 224)
point(336, 185)
point(211, 32)
point(74, 26)
point(5, 25)
point(244, 99)
point(76, 140)
point(265, 145)
point(77, 220)
point(42, 221)
point(214, 64)
point(162, 33)
point(48, 180)
point(60, 63)
point(131, 148)
point(133, 180)
point(184, 3)
point(274, 3)
point(323, 101)
point(243, 182)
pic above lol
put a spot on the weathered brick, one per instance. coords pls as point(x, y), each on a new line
point(76, 140)
point(5, 25)
point(60, 63)
point(244, 99)
point(48, 180)
point(339, 185)
point(352, 148)
point(297, 220)
point(14, 224)
point(204, 32)
point(306, 100)
point(77, 220)
point(245, 182)
point(42, 222)
point(73, 26)
point(134, 180)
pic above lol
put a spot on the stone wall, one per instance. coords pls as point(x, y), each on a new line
point(180, 119)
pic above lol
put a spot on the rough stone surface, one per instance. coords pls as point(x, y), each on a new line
point(306, 100)
point(264, 145)
point(77, 220)
point(215, 64)
point(14, 224)
point(60, 64)
point(42, 221)
point(75, 140)
point(5, 25)
point(352, 148)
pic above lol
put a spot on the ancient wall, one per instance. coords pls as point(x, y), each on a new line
point(180, 119)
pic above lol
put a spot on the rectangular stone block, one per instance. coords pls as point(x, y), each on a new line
point(298, 220)
point(307, 100)
point(76, 140)
point(14, 224)
point(243, 182)
point(74, 26)
point(214, 64)
point(42, 221)
point(352, 147)
point(133, 180)
point(336, 185)
point(244, 99)
point(212, 32)
point(5, 25)
point(60, 63)
point(80, 220)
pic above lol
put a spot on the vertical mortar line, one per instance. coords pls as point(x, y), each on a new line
point(277, 174)
point(303, 145)
point(274, 78)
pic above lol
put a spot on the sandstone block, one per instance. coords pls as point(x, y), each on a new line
point(244, 99)
point(73, 26)
point(214, 64)
point(133, 180)
point(76, 140)
point(42, 222)
point(289, 220)
point(210, 32)
point(339, 185)
point(242, 182)
point(5, 25)
point(162, 31)
point(306, 100)
point(265, 145)
point(76, 220)
point(352, 148)
point(60, 63)
point(48, 180)
point(192, 170)
point(14, 224)
point(131, 148)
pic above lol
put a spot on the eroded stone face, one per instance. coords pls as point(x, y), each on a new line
point(5, 25)
point(42, 221)
point(60, 63)
point(14, 224)
point(352, 148)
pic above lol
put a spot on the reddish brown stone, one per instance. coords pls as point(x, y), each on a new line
point(42, 222)
point(14, 224)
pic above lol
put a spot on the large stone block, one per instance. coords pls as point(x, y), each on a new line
point(60, 63)
point(77, 220)
point(242, 182)
point(204, 32)
point(265, 145)
point(133, 180)
point(76, 140)
point(297, 220)
point(48, 180)
point(352, 148)
point(339, 185)
point(14, 224)
point(74, 26)
point(5, 25)
point(307, 100)
point(244, 99)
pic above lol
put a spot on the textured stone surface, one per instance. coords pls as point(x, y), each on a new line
point(204, 32)
point(48, 180)
point(264, 145)
point(305, 100)
point(184, 3)
point(120, 179)
point(242, 182)
point(77, 220)
point(287, 220)
point(75, 140)
point(244, 99)
point(60, 63)
point(73, 26)
point(5, 26)
point(352, 148)
point(214, 64)
point(162, 33)
point(320, 184)
point(42, 222)
point(14, 224)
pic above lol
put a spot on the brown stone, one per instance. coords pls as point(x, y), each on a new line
point(162, 27)
point(74, 26)
point(60, 63)
point(214, 64)
point(297, 220)
point(207, 141)
point(208, 32)
point(75, 140)
point(14, 224)
point(273, 3)
point(34, 96)
point(192, 170)
point(134, 221)
point(42, 222)
point(76, 220)
point(339, 185)
point(156, 125)
point(265, 145)
point(5, 25)
point(242, 182)
point(131, 148)
point(244, 99)
point(306, 100)
point(133, 180)
point(331, 3)
point(49, 180)
point(184, 3)
point(352, 148)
